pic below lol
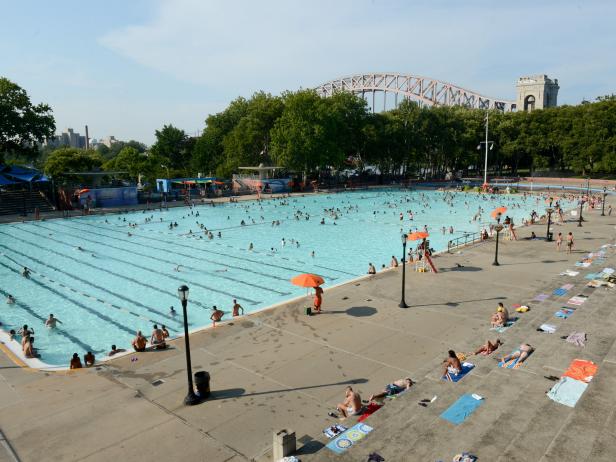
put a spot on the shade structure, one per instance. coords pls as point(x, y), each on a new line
point(498, 211)
point(417, 235)
point(307, 280)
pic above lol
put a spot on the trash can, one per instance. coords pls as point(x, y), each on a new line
point(284, 444)
point(202, 382)
point(550, 235)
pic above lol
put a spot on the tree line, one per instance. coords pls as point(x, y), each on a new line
point(306, 133)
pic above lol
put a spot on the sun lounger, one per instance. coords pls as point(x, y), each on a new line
point(461, 409)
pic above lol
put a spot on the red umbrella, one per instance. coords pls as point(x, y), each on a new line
point(498, 211)
point(307, 280)
point(417, 235)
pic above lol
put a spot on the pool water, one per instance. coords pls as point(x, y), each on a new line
point(104, 279)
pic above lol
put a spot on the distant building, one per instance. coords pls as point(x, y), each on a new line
point(536, 92)
point(68, 138)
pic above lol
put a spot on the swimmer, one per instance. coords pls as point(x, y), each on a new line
point(51, 322)
point(177, 268)
point(216, 315)
point(26, 272)
point(172, 311)
point(115, 350)
point(250, 247)
point(157, 338)
point(371, 269)
point(165, 331)
point(10, 300)
point(88, 359)
point(75, 362)
point(237, 308)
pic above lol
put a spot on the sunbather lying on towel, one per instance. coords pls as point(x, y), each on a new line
point(521, 354)
point(488, 347)
point(500, 318)
point(397, 386)
point(452, 364)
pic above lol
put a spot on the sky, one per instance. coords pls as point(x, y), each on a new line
point(126, 68)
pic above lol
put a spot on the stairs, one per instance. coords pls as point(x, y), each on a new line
point(12, 202)
point(517, 422)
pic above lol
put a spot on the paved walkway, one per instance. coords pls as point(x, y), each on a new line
point(282, 369)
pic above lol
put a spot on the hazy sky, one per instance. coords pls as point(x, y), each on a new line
point(127, 67)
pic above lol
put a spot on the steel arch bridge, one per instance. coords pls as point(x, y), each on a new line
point(424, 90)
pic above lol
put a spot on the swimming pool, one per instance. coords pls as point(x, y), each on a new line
point(104, 278)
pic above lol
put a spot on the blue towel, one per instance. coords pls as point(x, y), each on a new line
point(349, 437)
point(466, 368)
point(567, 391)
point(564, 313)
point(461, 409)
point(592, 276)
point(559, 292)
point(507, 325)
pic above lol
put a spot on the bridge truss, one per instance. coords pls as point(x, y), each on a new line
point(420, 89)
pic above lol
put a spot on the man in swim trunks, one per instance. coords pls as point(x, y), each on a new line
point(51, 322)
point(318, 298)
point(88, 359)
point(29, 350)
point(236, 308)
point(371, 269)
point(521, 354)
point(75, 362)
point(165, 331)
point(216, 315)
point(351, 404)
point(139, 342)
point(452, 364)
point(394, 262)
point(10, 300)
point(397, 386)
point(157, 338)
point(115, 350)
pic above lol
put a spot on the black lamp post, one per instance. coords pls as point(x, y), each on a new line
point(548, 236)
point(581, 205)
point(603, 203)
point(402, 303)
point(191, 397)
point(498, 228)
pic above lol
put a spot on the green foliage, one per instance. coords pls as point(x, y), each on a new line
point(22, 124)
point(71, 160)
point(173, 145)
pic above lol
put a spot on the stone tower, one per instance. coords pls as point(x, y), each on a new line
point(536, 92)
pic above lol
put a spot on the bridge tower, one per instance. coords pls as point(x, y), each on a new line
point(536, 92)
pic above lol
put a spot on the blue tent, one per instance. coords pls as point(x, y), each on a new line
point(4, 181)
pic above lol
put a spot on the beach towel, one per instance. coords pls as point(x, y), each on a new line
point(349, 438)
point(334, 431)
point(564, 313)
point(570, 273)
point(577, 300)
point(581, 369)
point(461, 409)
point(559, 292)
point(547, 328)
point(522, 309)
point(369, 410)
point(592, 276)
point(512, 363)
point(567, 391)
point(465, 457)
point(577, 338)
point(567, 286)
point(540, 297)
point(507, 325)
point(608, 270)
point(466, 368)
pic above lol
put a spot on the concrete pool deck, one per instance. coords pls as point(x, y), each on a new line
point(281, 369)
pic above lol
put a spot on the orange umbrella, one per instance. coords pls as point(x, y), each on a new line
point(308, 280)
point(498, 211)
point(417, 235)
point(83, 191)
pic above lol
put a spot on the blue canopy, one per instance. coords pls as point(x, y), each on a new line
point(4, 180)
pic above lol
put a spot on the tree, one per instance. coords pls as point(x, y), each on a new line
point(173, 146)
point(71, 160)
point(22, 124)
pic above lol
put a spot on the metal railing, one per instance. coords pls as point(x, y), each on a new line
point(465, 239)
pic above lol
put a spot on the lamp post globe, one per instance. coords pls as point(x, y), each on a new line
point(403, 238)
point(603, 201)
point(191, 397)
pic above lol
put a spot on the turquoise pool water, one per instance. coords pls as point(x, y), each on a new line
point(104, 284)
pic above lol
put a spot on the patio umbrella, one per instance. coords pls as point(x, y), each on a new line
point(417, 235)
point(307, 280)
point(498, 211)
point(83, 191)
